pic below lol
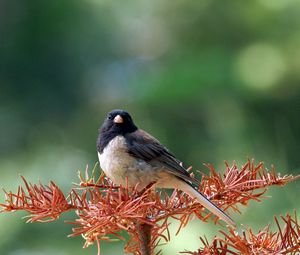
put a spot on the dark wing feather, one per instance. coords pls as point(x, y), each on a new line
point(144, 146)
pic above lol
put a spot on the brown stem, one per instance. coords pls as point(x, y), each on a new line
point(144, 232)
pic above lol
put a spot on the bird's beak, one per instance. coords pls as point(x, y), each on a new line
point(118, 119)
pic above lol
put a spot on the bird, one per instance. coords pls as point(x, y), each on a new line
point(130, 156)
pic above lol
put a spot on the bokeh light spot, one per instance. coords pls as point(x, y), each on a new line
point(260, 66)
point(147, 38)
point(276, 4)
point(293, 53)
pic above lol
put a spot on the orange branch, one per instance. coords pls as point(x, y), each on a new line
point(103, 209)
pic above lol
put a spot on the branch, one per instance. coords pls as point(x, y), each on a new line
point(286, 240)
point(104, 210)
point(43, 203)
point(144, 233)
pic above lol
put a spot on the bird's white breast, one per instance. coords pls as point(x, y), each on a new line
point(114, 160)
point(120, 166)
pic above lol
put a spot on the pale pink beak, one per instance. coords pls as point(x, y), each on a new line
point(118, 119)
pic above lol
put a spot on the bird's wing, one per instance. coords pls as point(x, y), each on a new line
point(144, 146)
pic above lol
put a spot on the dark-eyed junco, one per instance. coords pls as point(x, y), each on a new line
point(129, 154)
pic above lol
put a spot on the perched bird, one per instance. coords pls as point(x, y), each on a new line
point(129, 154)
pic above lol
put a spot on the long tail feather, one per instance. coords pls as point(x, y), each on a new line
point(191, 191)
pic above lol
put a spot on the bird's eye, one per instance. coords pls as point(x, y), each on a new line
point(110, 117)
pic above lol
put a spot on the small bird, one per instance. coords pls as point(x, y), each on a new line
point(130, 155)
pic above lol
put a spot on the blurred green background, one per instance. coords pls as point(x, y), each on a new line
point(213, 80)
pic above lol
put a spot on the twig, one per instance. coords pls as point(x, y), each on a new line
point(144, 233)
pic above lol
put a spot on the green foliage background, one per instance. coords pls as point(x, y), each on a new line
point(213, 80)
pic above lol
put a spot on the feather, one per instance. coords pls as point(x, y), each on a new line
point(144, 146)
point(191, 191)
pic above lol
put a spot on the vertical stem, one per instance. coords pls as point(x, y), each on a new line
point(144, 232)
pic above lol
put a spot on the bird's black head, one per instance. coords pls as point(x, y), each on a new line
point(117, 122)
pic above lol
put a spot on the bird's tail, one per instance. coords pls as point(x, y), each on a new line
point(191, 191)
